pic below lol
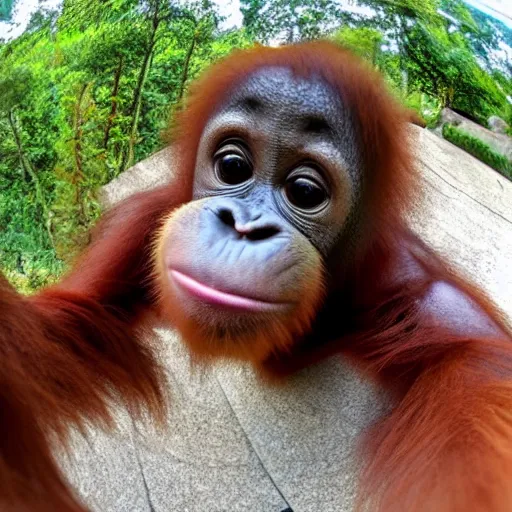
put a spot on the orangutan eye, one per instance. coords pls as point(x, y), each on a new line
point(304, 193)
point(233, 169)
point(232, 165)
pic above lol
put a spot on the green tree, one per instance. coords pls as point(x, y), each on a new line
point(291, 20)
point(27, 146)
point(15, 87)
point(486, 40)
point(85, 93)
point(442, 65)
point(363, 41)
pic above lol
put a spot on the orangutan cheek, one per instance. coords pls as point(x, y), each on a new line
point(226, 313)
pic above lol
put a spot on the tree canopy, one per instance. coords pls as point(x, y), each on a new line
point(86, 91)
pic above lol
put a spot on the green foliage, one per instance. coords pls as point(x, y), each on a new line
point(436, 42)
point(363, 41)
point(392, 15)
point(442, 65)
point(83, 95)
point(488, 37)
point(86, 92)
point(478, 149)
point(291, 20)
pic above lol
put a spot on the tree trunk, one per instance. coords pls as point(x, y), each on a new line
point(128, 156)
point(78, 174)
point(28, 169)
point(113, 106)
point(291, 35)
point(17, 139)
point(186, 66)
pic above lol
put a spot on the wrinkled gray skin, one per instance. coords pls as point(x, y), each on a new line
point(250, 239)
point(286, 122)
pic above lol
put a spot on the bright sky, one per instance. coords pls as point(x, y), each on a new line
point(23, 9)
point(501, 9)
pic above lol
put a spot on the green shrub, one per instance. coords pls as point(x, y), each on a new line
point(478, 149)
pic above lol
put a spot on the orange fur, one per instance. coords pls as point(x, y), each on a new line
point(452, 390)
point(70, 350)
point(446, 446)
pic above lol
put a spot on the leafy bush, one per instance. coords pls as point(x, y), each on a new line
point(86, 91)
point(478, 149)
point(84, 94)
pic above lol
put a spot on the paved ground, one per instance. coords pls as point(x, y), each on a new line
point(235, 445)
point(467, 215)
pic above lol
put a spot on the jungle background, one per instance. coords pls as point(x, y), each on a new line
point(88, 87)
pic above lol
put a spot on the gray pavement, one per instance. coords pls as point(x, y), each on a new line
point(235, 444)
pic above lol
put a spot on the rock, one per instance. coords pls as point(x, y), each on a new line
point(466, 215)
point(145, 175)
point(497, 125)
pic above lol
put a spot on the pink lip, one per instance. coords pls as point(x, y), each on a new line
point(218, 298)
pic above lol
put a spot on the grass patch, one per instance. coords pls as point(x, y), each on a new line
point(478, 149)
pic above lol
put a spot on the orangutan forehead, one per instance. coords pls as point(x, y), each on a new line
point(275, 91)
